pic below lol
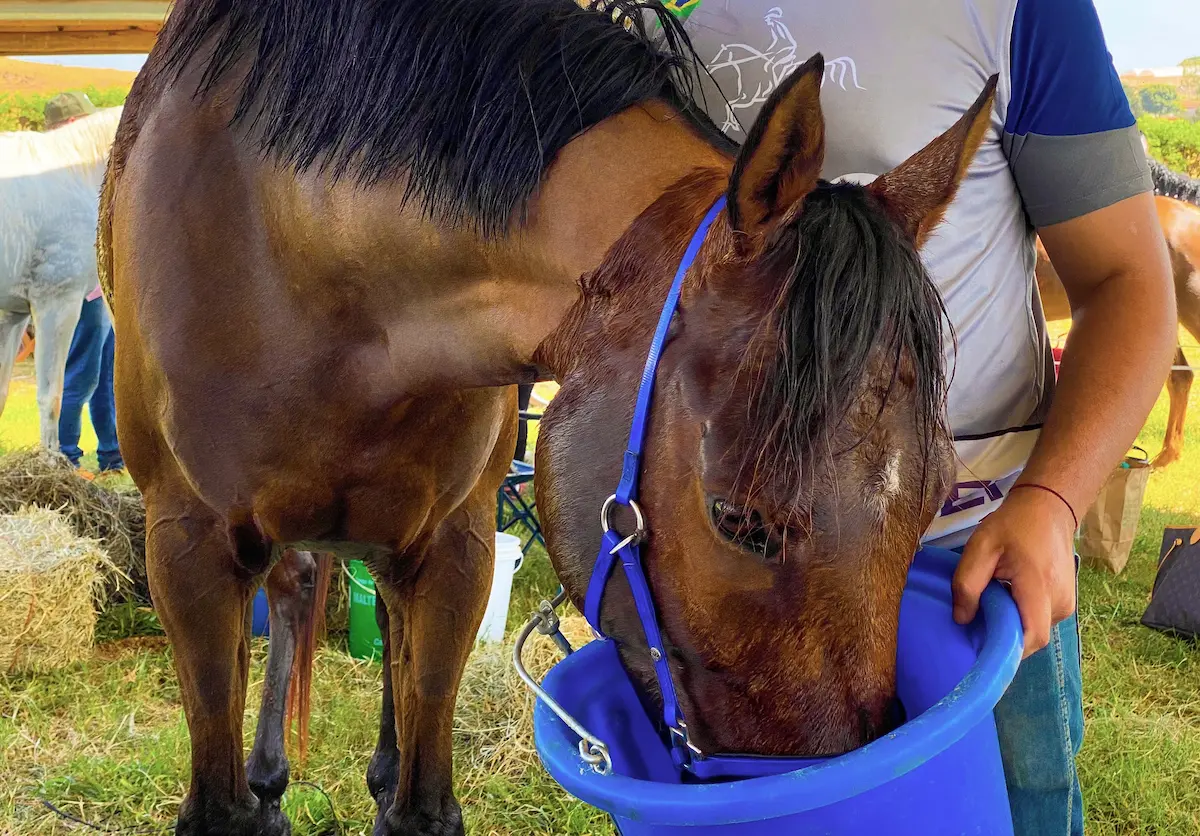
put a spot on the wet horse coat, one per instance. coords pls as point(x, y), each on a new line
point(327, 273)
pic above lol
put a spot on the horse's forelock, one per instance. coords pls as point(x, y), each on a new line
point(854, 293)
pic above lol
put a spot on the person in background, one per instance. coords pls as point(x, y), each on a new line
point(89, 373)
point(1061, 158)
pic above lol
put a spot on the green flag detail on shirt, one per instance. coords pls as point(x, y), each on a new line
point(681, 8)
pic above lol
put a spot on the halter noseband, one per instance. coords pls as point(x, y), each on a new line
point(627, 549)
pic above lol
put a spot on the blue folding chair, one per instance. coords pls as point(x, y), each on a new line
point(514, 505)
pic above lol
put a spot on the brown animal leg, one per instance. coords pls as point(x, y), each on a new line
point(1179, 385)
point(290, 591)
point(201, 596)
point(383, 772)
point(434, 615)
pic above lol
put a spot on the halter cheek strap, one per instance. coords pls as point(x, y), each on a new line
point(616, 548)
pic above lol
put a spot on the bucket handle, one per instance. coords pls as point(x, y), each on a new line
point(354, 580)
point(592, 749)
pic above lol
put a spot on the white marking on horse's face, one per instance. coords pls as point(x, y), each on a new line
point(885, 486)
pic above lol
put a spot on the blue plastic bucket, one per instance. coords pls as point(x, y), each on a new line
point(260, 620)
point(938, 774)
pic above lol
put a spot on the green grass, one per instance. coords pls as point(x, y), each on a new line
point(106, 740)
point(1140, 765)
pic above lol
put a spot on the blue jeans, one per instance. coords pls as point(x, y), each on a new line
point(1040, 723)
point(89, 379)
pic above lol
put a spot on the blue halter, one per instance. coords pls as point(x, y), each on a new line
point(627, 549)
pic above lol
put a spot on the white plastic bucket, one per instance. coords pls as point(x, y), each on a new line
point(508, 561)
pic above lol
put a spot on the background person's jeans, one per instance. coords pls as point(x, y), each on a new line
point(1040, 723)
point(89, 379)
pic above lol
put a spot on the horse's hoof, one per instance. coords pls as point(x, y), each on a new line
point(271, 820)
point(446, 821)
point(383, 803)
point(257, 819)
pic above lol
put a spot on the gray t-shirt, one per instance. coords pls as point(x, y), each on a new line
point(1062, 143)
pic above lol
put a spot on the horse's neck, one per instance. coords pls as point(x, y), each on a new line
point(601, 183)
point(449, 309)
point(623, 299)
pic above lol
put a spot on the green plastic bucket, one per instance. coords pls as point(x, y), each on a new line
point(365, 640)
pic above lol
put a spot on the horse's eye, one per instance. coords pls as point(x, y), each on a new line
point(744, 528)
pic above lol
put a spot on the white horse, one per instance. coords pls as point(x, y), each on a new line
point(49, 200)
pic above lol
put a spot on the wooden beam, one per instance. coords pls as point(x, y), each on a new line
point(76, 11)
point(77, 42)
point(74, 27)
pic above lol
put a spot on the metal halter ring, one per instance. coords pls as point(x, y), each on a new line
point(639, 532)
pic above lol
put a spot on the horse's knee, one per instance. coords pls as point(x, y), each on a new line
point(1179, 384)
point(50, 405)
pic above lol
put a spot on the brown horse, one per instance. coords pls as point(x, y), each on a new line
point(1181, 227)
point(334, 234)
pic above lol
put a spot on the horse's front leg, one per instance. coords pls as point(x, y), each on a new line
point(201, 588)
point(434, 615)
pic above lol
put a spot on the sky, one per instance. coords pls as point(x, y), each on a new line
point(1150, 33)
point(1141, 33)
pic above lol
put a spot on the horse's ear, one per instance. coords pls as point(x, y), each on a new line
point(917, 192)
point(781, 159)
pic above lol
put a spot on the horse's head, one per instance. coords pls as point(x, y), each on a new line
point(796, 447)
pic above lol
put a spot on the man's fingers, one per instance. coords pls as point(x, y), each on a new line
point(975, 570)
point(1032, 596)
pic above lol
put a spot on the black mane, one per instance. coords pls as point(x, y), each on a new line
point(1170, 183)
point(471, 100)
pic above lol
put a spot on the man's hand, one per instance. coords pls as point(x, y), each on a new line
point(1028, 542)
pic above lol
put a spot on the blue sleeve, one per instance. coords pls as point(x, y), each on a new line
point(1071, 140)
point(1062, 77)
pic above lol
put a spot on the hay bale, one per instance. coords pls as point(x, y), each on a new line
point(114, 517)
point(49, 579)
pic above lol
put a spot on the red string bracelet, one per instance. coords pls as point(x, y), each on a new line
point(1049, 491)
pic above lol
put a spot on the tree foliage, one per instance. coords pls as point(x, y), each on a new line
point(1191, 76)
point(1159, 99)
point(1173, 142)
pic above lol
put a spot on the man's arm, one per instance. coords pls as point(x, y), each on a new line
point(1073, 149)
point(1114, 265)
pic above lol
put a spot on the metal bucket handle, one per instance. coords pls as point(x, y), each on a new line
point(592, 749)
point(346, 571)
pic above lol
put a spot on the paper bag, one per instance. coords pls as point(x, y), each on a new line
point(1107, 530)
